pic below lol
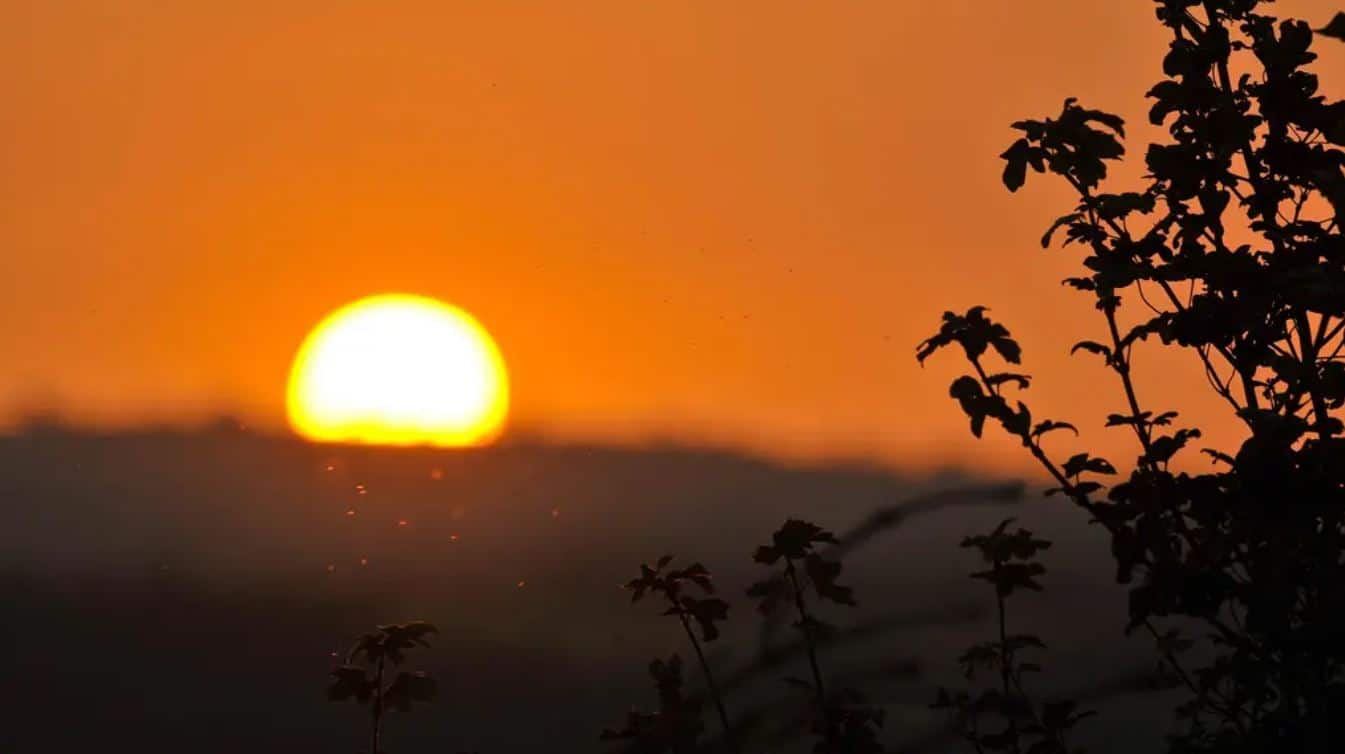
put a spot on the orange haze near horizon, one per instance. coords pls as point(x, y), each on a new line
point(708, 222)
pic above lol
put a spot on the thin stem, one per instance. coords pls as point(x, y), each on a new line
point(1324, 335)
point(1309, 360)
point(1004, 665)
point(1216, 381)
point(1005, 657)
point(377, 710)
point(1080, 498)
point(1070, 489)
point(806, 625)
point(1121, 365)
point(1090, 202)
point(1120, 361)
point(709, 680)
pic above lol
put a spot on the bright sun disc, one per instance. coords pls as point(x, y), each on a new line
point(398, 369)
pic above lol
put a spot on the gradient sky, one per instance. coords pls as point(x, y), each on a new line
point(706, 221)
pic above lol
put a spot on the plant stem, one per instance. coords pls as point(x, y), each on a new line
point(1121, 365)
point(710, 683)
point(805, 624)
point(377, 708)
point(1005, 659)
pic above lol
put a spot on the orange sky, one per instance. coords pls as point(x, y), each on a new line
point(698, 220)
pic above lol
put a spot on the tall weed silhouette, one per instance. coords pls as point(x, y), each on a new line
point(363, 675)
point(1027, 727)
point(704, 612)
point(842, 721)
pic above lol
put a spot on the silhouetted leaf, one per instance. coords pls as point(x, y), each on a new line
point(707, 613)
point(1009, 577)
point(823, 575)
point(1060, 222)
point(1015, 164)
point(770, 593)
point(696, 574)
point(350, 681)
point(1021, 380)
point(1051, 426)
point(1081, 462)
point(408, 688)
point(1336, 28)
point(1092, 347)
point(794, 540)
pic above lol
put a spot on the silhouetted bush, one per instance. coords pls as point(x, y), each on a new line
point(1231, 250)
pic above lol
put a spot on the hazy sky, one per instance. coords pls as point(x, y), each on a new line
point(700, 220)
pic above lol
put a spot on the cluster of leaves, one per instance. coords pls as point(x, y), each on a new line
point(1232, 250)
point(707, 612)
point(1021, 726)
point(795, 543)
point(842, 722)
point(362, 676)
point(672, 727)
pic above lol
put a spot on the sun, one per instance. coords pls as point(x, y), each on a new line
point(398, 369)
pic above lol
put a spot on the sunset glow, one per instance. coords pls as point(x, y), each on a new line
point(398, 369)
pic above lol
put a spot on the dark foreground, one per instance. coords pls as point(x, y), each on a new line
point(185, 592)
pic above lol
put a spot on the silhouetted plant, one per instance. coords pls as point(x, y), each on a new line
point(1233, 249)
point(844, 723)
point(706, 612)
point(1028, 728)
point(890, 518)
point(362, 676)
point(771, 656)
point(677, 725)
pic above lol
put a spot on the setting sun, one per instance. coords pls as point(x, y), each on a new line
point(398, 369)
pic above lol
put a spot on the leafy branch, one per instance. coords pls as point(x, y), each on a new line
point(705, 612)
point(361, 676)
point(845, 724)
point(1028, 727)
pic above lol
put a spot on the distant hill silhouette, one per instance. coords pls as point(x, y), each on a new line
point(184, 590)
